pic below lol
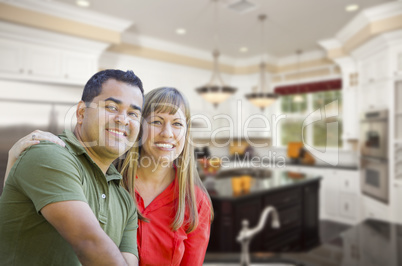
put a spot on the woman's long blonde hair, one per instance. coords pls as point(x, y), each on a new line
point(169, 100)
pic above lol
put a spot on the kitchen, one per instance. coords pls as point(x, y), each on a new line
point(50, 48)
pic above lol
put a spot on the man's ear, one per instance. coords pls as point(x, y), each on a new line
point(80, 112)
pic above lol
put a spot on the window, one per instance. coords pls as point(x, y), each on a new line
point(321, 133)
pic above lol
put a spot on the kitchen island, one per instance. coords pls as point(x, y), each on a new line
point(243, 193)
point(370, 243)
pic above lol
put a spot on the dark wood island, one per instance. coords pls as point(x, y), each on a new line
point(244, 193)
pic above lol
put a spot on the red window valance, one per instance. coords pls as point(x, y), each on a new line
point(335, 84)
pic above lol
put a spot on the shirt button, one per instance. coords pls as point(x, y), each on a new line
point(103, 196)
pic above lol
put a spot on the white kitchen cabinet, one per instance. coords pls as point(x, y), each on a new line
point(375, 68)
point(340, 196)
point(350, 116)
point(33, 62)
point(375, 96)
point(11, 55)
point(42, 63)
point(398, 200)
point(78, 67)
point(348, 205)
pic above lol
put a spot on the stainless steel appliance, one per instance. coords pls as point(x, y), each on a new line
point(374, 180)
point(374, 134)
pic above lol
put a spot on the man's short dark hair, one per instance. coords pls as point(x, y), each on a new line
point(94, 85)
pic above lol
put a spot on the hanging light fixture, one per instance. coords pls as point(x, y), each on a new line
point(298, 98)
point(261, 97)
point(216, 91)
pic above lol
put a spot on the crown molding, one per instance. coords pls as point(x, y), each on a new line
point(28, 35)
point(378, 44)
point(366, 17)
point(72, 13)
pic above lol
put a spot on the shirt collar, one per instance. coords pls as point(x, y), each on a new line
point(75, 147)
point(166, 197)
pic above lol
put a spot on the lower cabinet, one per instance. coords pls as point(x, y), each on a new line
point(298, 209)
point(340, 196)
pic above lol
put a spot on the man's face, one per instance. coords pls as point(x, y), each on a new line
point(111, 122)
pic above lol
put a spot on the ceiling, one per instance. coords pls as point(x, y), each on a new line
point(291, 24)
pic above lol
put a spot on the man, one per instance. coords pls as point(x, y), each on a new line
point(64, 205)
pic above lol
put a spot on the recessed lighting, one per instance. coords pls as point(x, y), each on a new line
point(83, 3)
point(351, 8)
point(243, 49)
point(180, 31)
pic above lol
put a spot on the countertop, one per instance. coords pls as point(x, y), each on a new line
point(244, 160)
point(370, 243)
point(240, 184)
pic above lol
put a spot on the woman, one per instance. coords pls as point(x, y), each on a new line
point(160, 174)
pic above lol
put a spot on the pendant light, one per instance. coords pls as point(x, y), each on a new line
point(261, 97)
point(298, 98)
point(215, 91)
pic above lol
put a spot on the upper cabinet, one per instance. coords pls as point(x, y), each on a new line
point(33, 62)
point(374, 68)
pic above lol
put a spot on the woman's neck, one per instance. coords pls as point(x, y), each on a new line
point(155, 175)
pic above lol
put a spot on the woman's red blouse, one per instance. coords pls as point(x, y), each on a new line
point(158, 244)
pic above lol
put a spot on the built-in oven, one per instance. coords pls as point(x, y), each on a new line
point(374, 155)
point(374, 178)
point(374, 134)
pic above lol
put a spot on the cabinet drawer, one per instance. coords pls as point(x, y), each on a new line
point(283, 199)
point(349, 183)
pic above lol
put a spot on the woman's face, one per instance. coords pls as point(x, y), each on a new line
point(163, 136)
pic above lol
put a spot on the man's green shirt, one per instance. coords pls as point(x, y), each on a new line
point(48, 173)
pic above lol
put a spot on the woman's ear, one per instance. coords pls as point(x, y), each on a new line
point(80, 112)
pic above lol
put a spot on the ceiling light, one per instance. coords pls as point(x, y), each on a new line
point(83, 3)
point(261, 96)
point(215, 91)
point(180, 31)
point(243, 49)
point(351, 8)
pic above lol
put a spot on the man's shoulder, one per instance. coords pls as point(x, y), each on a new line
point(48, 153)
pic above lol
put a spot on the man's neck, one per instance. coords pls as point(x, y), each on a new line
point(103, 163)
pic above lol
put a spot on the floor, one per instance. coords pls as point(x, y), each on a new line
point(329, 230)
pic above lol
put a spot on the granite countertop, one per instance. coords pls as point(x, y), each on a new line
point(370, 243)
point(243, 160)
point(239, 184)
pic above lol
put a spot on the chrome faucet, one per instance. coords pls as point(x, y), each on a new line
point(246, 234)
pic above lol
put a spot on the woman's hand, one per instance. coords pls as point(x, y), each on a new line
point(31, 139)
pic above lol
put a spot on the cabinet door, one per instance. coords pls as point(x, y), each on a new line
point(310, 215)
point(350, 117)
point(398, 199)
point(78, 68)
point(347, 205)
point(11, 55)
point(44, 63)
point(329, 193)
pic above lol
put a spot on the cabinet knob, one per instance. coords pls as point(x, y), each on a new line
point(66, 76)
point(30, 71)
point(346, 206)
point(346, 183)
point(21, 70)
